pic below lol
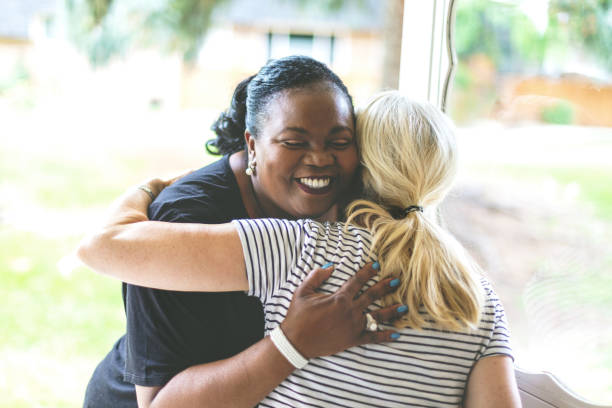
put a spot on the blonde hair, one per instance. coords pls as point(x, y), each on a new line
point(408, 152)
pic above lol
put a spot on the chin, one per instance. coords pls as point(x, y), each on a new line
point(315, 213)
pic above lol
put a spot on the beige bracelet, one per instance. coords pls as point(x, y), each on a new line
point(147, 190)
point(286, 348)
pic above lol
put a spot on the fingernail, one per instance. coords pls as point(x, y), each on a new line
point(376, 266)
point(327, 265)
point(395, 336)
point(394, 282)
point(402, 309)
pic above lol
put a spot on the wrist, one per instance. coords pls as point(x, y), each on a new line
point(287, 349)
point(295, 339)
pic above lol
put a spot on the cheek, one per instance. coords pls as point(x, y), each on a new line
point(349, 161)
point(278, 168)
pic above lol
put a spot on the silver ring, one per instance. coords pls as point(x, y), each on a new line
point(371, 324)
point(147, 190)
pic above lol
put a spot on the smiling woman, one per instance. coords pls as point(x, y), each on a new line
point(306, 154)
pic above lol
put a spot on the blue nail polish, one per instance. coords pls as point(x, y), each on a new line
point(327, 265)
point(402, 309)
point(394, 282)
point(395, 336)
point(376, 266)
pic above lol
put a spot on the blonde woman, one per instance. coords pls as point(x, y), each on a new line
point(451, 347)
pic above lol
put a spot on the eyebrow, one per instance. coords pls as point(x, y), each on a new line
point(296, 129)
point(335, 129)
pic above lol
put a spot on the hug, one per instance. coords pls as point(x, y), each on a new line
point(306, 267)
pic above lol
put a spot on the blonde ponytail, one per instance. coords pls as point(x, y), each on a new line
point(409, 157)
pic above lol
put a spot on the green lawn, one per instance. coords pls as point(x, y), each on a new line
point(59, 318)
point(569, 297)
point(55, 325)
point(595, 183)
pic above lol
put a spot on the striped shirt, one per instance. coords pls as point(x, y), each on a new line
point(423, 368)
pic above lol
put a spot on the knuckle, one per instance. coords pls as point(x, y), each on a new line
point(385, 285)
point(342, 299)
point(372, 295)
point(366, 272)
point(359, 280)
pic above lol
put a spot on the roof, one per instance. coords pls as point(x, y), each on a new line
point(308, 15)
point(367, 15)
point(16, 15)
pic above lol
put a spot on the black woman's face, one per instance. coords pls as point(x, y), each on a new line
point(305, 153)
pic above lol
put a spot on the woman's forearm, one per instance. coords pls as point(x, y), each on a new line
point(239, 381)
point(149, 253)
point(170, 256)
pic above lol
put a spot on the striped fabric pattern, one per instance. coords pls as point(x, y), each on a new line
point(423, 368)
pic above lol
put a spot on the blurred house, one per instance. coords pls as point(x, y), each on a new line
point(568, 99)
point(247, 33)
point(19, 21)
point(35, 53)
point(16, 20)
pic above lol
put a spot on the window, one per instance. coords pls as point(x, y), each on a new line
point(320, 47)
point(531, 95)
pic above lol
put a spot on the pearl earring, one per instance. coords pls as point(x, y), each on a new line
point(250, 170)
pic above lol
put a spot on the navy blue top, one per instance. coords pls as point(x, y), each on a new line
point(169, 331)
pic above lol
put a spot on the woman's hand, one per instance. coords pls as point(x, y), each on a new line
point(323, 324)
point(157, 184)
point(132, 205)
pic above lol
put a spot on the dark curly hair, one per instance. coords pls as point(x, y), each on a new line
point(251, 96)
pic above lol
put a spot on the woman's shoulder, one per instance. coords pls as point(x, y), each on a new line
point(209, 194)
point(490, 296)
point(214, 177)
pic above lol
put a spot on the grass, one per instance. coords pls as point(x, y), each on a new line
point(58, 318)
point(57, 325)
point(595, 185)
point(594, 182)
point(48, 303)
point(571, 297)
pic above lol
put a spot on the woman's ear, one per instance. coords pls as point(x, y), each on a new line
point(250, 142)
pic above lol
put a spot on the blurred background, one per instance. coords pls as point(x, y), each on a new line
point(96, 95)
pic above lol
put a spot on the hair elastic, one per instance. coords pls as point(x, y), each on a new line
point(412, 208)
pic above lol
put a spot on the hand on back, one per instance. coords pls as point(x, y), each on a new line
point(323, 324)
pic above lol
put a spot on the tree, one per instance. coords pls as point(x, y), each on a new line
point(502, 31)
point(587, 22)
point(394, 16)
point(107, 28)
point(104, 29)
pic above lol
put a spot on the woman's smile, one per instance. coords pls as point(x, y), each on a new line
point(316, 185)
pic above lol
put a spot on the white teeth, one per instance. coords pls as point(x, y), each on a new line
point(315, 182)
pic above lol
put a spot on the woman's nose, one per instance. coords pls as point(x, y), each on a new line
point(320, 158)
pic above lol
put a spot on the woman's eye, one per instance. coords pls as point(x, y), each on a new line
point(294, 144)
point(341, 144)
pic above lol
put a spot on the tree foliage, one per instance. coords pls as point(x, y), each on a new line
point(108, 28)
point(503, 32)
